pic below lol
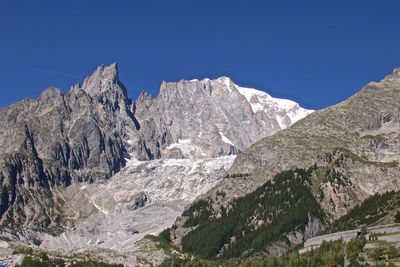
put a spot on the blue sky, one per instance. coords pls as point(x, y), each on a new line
point(317, 53)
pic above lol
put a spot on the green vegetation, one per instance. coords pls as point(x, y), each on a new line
point(369, 212)
point(221, 194)
point(237, 175)
point(334, 176)
point(198, 212)
point(162, 241)
point(33, 258)
point(45, 261)
point(356, 158)
point(236, 236)
point(329, 254)
point(165, 235)
point(397, 217)
point(384, 252)
point(254, 221)
point(190, 262)
point(341, 155)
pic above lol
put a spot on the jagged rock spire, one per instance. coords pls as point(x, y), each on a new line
point(102, 80)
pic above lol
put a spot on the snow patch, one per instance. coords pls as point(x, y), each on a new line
point(225, 139)
point(248, 93)
point(265, 102)
point(227, 82)
point(185, 146)
point(184, 141)
point(298, 114)
point(93, 201)
point(180, 142)
point(280, 122)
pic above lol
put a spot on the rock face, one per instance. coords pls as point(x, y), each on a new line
point(210, 118)
point(351, 151)
point(88, 133)
point(59, 139)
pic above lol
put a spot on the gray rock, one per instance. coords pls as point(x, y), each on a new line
point(86, 135)
point(210, 118)
point(59, 139)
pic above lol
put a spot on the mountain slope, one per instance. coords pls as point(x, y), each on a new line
point(357, 138)
point(351, 148)
point(257, 220)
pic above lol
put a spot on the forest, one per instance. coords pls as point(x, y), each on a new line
point(267, 215)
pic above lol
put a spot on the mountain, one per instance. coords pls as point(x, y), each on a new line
point(210, 118)
point(90, 163)
point(337, 157)
point(59, 139)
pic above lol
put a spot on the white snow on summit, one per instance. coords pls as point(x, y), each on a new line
point(226, 81)
point(261, 101)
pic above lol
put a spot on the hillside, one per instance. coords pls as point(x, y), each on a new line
point(351, 147)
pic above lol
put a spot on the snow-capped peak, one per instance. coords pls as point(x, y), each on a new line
point(226, 81)
point(261, 101)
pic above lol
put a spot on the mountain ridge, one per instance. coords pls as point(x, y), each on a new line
point(87, 134)
point(236, 124)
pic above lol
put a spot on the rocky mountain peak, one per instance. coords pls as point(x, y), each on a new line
point(219, 87)
point(395, 76)
point(224, 80)
point(163, 86)
point(144, 96)
point(183, 87)
point(50, 93)
point(209, 118)
point(103, 79)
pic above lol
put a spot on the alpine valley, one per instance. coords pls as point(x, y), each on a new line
point(88, 173)
point(207, 171)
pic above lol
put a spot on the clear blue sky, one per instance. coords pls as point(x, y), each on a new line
point(315, 52)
